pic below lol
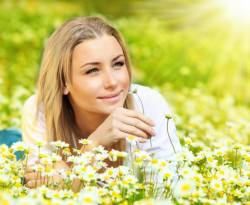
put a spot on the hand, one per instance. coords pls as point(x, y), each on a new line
point(33, 179)
point(120, 124)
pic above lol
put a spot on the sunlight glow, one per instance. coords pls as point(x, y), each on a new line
point(236, 10)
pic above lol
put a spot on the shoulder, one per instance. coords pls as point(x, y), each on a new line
point(146, 92)
point(30, 104)
point(29, 110)
point(151, 98)
point(154, 105)
point(32, 125)
point(142, 89)
point(31, 100)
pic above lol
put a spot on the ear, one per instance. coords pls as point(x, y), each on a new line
point(65, 91)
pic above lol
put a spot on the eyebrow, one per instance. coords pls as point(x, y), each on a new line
point(96, 63)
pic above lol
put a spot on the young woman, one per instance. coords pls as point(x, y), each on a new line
point(85, 90)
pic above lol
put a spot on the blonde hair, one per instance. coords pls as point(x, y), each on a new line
point(55, 72)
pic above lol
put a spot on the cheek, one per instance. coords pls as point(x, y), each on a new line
point(124, 76)
point(126, 79)
point(84, 88)
point(89, 88)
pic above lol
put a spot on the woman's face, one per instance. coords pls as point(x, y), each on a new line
point(100, 79)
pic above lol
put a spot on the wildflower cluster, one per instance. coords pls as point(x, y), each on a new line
point(209, 176)
point(208, 119)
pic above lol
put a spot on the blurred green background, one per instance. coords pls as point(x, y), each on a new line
point(194, 52)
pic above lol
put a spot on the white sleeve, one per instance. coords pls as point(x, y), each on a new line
point(165, 143)
point(166, 138)
point(33, 130)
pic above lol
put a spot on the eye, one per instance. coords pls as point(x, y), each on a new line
point(93, 70)
point(119, 63)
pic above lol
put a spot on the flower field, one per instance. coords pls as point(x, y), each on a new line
point(207, 176)
point(203, 70)
point(214, 168)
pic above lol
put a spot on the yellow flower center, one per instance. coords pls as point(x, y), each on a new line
point(88, 199)
point(185, 187)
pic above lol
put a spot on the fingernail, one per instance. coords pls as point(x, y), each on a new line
point(152, 122)
point(143, 141)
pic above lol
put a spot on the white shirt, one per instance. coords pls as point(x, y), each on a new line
point(164, 145)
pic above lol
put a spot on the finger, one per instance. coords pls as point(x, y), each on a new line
point(132, 130)
point(139, 125)
point(33, 183)
point(29, 170)
point(124, 135)
point(61, 165)
point(141, 140)
point(30, 176)
point(33, 177)
point(132, 113)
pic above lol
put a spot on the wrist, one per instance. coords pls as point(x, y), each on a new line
point(61, 165)
point(93, 142)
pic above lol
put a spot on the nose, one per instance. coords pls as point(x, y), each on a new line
point(110, 80)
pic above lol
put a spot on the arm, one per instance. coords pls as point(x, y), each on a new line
point(166, 143)
point(166, 137)
point(33, 131)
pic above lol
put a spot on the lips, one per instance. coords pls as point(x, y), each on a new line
point(110, 95)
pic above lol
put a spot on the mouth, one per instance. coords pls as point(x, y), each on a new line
point(111, 98)
point(112, 95)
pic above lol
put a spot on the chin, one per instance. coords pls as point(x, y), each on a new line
point(107, 110)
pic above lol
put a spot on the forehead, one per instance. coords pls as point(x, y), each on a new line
point(100, 48)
